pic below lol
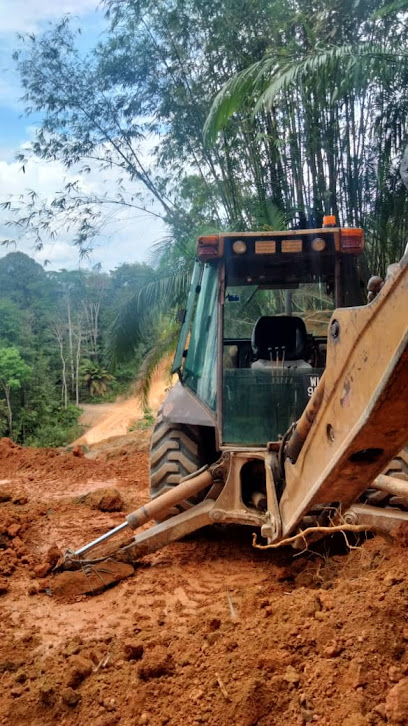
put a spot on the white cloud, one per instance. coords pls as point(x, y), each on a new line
point(26, 16)
point(128, 234)
point(14, 181)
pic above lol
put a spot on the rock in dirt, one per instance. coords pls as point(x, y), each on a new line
point(70, 697)
point(356, 676)
point(73, 647)
point(8, 560)
point(79, 668)
point(133, 651)
point(396, 704)
point(42, 570)
point(78, 451)
point(20, 499)
point(53, 555)
point(4, 586)
point(291, 675)
point(156, 664)
point(13, 530)
point(106, 500)
point(333, 649)
point(19, 547)
point(46, 693)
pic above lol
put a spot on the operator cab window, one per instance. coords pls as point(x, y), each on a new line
point(312, 303)
point(274, 354)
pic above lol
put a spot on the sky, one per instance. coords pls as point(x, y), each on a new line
point(130, 237)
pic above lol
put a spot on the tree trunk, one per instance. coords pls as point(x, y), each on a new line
point(70, 344)
point(9, 411)
point(77, 360)
point(64, 389)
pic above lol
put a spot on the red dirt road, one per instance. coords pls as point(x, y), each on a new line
point(207, 631)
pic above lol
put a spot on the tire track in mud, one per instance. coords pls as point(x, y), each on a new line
point(217, 585)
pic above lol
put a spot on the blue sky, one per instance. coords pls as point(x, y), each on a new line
point(129, 239)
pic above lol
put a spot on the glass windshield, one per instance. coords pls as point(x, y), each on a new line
point(274, 354)
point(313, 302)
point(200, 369)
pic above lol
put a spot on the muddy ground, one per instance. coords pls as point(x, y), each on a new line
point(207, 631)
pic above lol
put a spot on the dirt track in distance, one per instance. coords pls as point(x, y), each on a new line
point(107, 420)
point(207, 631)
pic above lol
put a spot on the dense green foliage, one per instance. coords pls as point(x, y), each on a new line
point(54, 330)
point(327, 134)
point(341, 118)
point(259, 114)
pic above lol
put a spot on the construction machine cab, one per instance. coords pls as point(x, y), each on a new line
point(250, 435)
point(256, 325)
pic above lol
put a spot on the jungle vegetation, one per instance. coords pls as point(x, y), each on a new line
point(261, 114)
point(54, 352)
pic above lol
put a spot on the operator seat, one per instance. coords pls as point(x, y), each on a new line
point(279, 336)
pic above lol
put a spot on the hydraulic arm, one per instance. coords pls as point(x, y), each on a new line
point(357, 419)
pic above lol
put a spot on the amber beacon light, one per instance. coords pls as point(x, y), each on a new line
point(329, 220)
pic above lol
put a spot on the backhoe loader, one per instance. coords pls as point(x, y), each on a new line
point(292, 398)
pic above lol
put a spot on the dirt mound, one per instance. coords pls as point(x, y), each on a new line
point(207, 631)
point(35, 468)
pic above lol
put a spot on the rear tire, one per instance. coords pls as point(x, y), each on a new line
point(397, 467)
point(176, 451)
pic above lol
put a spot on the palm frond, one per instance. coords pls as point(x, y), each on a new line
point(275, 219)
point(152, 359)
point(231, 98)
point(136, 319)
point(393, 7)
point(266, 79)
point(366, 56)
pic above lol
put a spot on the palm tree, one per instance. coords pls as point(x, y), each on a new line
point(96, 378)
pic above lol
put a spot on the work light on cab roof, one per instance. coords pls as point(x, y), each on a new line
point(327, 240)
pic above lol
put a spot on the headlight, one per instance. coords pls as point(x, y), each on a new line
point(239, 247)
point(318, 244)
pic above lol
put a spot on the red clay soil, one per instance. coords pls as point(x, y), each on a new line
point(207, 631)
